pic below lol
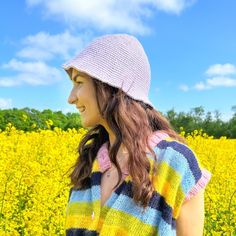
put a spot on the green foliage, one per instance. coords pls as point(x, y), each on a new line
point(31, 119)
point(197, 119)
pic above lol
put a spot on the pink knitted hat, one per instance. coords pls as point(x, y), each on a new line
point(118, 60)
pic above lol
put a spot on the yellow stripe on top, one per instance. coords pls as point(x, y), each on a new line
point(122, 222)
point(166, 182)
point(80, 221)
point(79, 214)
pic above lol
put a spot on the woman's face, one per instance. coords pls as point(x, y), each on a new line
point(83, 96)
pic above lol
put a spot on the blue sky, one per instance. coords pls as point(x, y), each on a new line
point(191, 47)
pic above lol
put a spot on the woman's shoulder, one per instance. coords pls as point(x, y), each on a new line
point(174, 158)
point(168, 147)
point(180, 158)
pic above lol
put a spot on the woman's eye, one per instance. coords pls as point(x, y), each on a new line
point(77, 82)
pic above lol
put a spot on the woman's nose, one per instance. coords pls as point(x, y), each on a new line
point(72, 97)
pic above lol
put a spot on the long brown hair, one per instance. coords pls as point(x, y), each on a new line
point(132, 122)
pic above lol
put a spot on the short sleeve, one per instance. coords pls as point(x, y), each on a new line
point(180, 174)
point(194, 176)
point(201, 184)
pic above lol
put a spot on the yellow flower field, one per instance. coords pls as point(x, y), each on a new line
point(34, 188)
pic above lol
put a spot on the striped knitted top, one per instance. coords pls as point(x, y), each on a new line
point(179, 177)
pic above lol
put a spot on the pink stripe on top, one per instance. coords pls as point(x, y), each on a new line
point(103, 158)
point(202, 182)
point(156, 137)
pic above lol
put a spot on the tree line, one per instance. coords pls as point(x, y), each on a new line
point(31, 119)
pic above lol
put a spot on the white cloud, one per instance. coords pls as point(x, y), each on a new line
point(221, 69)
point(40, 48)
point(8, 81)
point(33, 73)
point(201, 86)
point(184, 87)
point(109, 14)
point(221, 81)
point(215, 82)
point(5, 103)
point(44, 46)
point(219, 75)
point(175, 6)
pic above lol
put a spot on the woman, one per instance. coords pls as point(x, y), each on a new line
point(134, 174)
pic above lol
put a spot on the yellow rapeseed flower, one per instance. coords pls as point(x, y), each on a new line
point(34, 190)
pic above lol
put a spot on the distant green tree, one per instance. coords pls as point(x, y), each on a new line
point(233, 108)
point(28, 119)
point(74, 121)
